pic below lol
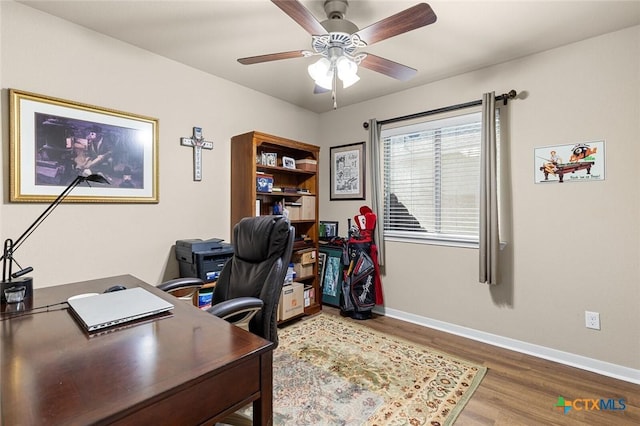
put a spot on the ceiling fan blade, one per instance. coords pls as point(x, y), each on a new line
point(387, 67)
point(301, 15)
point(271, 57)
point(407, 20)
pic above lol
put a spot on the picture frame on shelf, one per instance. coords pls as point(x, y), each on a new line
point(52, 141)
point(328, 229)
point(288, 163)
point(269, 159)
point(347, 172)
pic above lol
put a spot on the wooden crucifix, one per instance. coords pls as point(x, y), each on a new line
point(198, 143)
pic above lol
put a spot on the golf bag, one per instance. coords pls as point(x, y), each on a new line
point(362, 288)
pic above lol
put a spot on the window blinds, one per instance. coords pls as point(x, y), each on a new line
point(431, 178)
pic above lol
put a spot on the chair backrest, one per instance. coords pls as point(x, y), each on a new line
point(262, 249)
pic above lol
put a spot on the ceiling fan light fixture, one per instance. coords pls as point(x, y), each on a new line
point(346, 66)
point(338, 40)
point(319, 69)
point(326, 82)
point(321, 72)
point(347, 71)
point(349, 80)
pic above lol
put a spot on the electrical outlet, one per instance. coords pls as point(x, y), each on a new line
point(592, 320)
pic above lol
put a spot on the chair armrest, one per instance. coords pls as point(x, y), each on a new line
point(236, 306)
point(179, 283)
point(239, 311)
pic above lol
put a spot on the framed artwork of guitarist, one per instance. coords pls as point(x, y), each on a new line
point(54, 140)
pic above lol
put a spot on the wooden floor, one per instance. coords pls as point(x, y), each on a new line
point(519, 389)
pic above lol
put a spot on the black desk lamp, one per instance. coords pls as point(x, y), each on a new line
point(10, 246)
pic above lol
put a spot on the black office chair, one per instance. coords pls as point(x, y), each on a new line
point(182, 288)
point(251, 281)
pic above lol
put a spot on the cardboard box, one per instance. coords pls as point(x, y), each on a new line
point(304, 256)
point(309, 296)
point(291, 301)
point(308, 257)
point(294, 211)
point(308, 208)
point(307, 164)
point(303, 270)
point(303, 261)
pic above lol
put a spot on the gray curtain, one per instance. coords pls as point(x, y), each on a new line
point(489, 233)
point(377, 191)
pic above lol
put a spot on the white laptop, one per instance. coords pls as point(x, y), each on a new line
point(110, 309)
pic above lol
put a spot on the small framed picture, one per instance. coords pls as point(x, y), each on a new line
point(269, 159)
point(288, 163)
point(575, 162)
point(347, 172)
point(328, 230)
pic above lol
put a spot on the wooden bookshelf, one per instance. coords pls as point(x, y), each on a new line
point(298, 191)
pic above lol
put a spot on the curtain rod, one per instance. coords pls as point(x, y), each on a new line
point(504, 98)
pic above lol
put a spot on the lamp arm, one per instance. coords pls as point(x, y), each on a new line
point(10, 246)
point(46, 213)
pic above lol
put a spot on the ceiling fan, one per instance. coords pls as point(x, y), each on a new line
point(338, 41)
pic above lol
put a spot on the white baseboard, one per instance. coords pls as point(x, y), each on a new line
point(601, 367)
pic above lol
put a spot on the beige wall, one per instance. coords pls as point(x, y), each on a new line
point(572, 247)
point(46, 55)
point(575, 247)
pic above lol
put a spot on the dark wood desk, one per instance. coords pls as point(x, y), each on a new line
point(184, 369)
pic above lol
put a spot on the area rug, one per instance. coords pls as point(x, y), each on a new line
point(334, 371)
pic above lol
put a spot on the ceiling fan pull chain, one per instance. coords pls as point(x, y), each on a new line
point(333, 90)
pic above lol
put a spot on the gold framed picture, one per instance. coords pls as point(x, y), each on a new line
point(52, 141)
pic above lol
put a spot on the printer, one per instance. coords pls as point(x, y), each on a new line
point(202, 259)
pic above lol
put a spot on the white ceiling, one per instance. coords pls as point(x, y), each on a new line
point(468, 35)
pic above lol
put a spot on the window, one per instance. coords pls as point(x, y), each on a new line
point(432, 179)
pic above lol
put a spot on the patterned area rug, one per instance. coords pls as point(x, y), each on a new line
point(334, 371)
